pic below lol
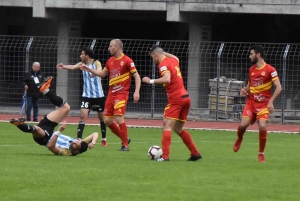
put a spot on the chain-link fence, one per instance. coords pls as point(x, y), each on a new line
point(201, 63)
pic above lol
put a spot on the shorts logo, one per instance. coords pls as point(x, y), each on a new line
point(249, 113)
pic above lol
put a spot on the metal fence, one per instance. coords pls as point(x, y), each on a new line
point(199, 63)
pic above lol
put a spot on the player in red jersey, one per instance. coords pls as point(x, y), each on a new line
point(260, 100)
point(120, 68)
point(179, 102)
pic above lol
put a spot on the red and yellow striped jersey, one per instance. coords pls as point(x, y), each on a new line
point(120, 71)
point(261, 81)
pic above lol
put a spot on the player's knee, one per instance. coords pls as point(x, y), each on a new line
point(108, 121)
point(66, 106)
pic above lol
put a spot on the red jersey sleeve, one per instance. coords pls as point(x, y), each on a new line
point(131, 66)
point(163, 67)
point(273, 73)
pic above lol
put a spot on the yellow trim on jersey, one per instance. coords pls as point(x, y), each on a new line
point(64, 152)
point(175, 119)
point(166, 71)
point(120, 57)
point(263, 111)
point(275, 78)
point(109, 116)
point(167, 107)
point(118, 79)
point(119, 104)
point(261, 88)
point(133, 71)
point(261, 67)
point(98, 64)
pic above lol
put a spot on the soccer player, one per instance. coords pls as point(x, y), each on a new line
point(44, 134)
point(120, 68)
point(93, 96)
point(179, 102)
point(259, 103)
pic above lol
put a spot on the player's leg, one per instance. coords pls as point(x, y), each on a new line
point(98, 105)
point(84, 113)
point(184, 134)
point(35, 103)
point(119, 112)
point(108, 115)
point(248, 117)
point(36, 131)
point(59, 114)
point(166, 139)
point(28, 108)
point(262, 118)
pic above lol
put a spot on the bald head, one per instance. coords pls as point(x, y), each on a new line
point(118, 43)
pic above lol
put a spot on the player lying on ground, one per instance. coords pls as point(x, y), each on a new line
point(44, 134)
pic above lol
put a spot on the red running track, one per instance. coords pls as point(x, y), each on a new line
point(210, 125)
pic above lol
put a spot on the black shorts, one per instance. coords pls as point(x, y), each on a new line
point(94, 104)
point(48, 126)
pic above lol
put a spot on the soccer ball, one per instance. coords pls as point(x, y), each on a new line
point(155, 152)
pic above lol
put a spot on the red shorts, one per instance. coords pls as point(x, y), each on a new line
point(115, 104)
point(256, 110)
point(178, 109)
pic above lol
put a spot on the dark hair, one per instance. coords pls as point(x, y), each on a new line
point(259, 49)
point(153, 48)
point(83, 147)
point(89, 52)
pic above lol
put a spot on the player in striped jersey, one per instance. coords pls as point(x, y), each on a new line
point(259, 104)
point(93, 96)
point(120, 68)
point(44, 134)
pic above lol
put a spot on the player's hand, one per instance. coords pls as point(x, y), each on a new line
point(91, 145)
point(26, 87)
point(243, 92)
point(146, 80)
point(60, 66)
point(62, 126)
point(136, 97)
point(85, 67)
point(270, 107)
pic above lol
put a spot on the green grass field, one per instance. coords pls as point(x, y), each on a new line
point(31, 172)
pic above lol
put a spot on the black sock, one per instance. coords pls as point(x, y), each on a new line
point(26, 128)
point(80, 128)
point(55, 99)
point(103, 129)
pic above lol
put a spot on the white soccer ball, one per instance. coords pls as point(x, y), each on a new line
point(155, 152)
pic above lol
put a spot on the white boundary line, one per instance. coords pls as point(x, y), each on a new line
point(188, 128)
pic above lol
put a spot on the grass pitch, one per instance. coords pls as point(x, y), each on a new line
point(31, 172)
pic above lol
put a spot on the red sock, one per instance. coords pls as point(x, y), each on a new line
point(115, 129)
point(240, 133)
point(124, 134)
point(188, 141)
point(166, 143)
point(262, 140)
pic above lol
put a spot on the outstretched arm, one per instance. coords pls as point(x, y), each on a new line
point(165, 79)
point(99, 72)
point(69, 67)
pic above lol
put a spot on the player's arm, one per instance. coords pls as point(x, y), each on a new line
point(69, 67)
point(52, 142)
point(98, 72)
point(91, 139)
point(165, 79)
point(171, 56)
point(136, 94)
point(245, 91)
point(277, 91)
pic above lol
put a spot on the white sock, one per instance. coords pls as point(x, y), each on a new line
point(104, 139)
point(45, 91)
point(261, 153)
